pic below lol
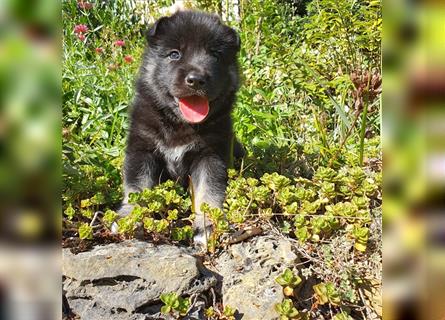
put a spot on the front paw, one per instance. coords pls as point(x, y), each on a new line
point(123, 211)
point(202, 236)
point(114, 228)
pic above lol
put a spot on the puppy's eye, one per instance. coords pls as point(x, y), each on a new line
point(174, 55)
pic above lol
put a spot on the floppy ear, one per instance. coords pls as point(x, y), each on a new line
point(156, 28)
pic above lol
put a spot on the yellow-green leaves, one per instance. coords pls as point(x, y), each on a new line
point(70, 212)
point(174, 304)
point(326, 292)
point(361, 235)
point(288, 278)
point(286, 310)
point(85, 231)
point(109, 217)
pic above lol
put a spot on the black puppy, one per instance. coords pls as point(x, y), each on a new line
point(180, 121)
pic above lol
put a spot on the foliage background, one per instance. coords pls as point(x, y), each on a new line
point(309, 108)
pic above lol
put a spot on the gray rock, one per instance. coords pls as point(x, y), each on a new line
point(248, 273)
point(125, 280)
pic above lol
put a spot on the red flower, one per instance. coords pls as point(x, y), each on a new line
point(84, 5)
point(81, 37)
point(80, 28)
point(119, 43)
point(128, 59)
point(99, 50)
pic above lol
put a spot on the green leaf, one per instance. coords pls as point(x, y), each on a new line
point(286, 308)
point(70, 212)
point(85, 231)
point(228, 311)
point(321, 292)
point(166, 309)
point(287, 278)
point(109, 217)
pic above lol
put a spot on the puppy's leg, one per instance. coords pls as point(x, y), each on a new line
point(209, 179)
point(141, 170)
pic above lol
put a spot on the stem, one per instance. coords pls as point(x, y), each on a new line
point(364, 118)
point(363, 129)
point(232, 142)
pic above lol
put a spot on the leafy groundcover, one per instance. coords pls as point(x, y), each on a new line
point(308, 114)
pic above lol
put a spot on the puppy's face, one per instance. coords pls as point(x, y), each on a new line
point(191, 63)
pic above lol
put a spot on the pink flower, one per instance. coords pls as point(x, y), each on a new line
point(84, 5)
point(119, 43)
point(99, 50)
point(81, 36)
point(128, 59)
point(80, 28)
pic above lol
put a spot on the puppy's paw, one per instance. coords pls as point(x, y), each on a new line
point(138, 232)
point(114, 228)
point(123, 211)
point(202, 236)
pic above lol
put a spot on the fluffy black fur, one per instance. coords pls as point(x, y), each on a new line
point(161, 143)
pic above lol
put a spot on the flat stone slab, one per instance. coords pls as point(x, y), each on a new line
point(121, 280)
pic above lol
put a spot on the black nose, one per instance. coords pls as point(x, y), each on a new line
point(195, 80)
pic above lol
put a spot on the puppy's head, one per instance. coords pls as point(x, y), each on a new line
point(191, 64)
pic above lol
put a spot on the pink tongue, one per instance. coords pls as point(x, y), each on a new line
point(194, 108)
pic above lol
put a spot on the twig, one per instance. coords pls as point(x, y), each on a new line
point(96, 214)
point(195, 298)
point(313, 215)
point(364, 120)
point(212, 291)
point(364, 303)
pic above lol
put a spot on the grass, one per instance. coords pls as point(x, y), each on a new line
point(307, 114)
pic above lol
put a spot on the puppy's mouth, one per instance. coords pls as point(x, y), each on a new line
point(194, 109)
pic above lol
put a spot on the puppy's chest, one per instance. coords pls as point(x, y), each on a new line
point(173, 155)
point(177, 147)
point(174, 147)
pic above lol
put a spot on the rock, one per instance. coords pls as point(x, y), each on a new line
point(248, 272)
point(125, 280)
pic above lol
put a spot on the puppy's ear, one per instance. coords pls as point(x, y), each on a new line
point(216, 17)
point(156, 28)
point(235, 39)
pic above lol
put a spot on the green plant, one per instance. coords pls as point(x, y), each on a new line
point(288, 280)
point(307, 113)
point(361, 235)
point(209, 312)
point(173, 302)
point(85, 231)
point(229, 313)
point(326, 292)
point(286, 310)
point(109, 217)
point(161, 210)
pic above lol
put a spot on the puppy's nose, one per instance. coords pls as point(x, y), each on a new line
point(195, 80)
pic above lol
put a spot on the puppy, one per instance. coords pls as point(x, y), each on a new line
point(181, 122)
